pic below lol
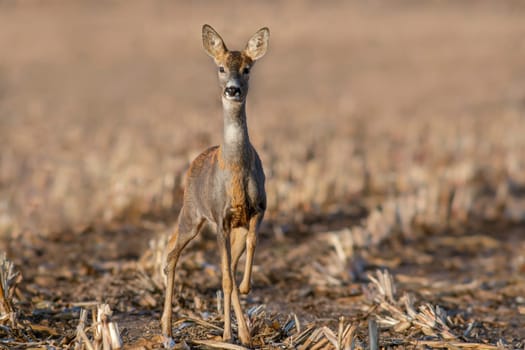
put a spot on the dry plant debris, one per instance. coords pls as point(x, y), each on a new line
point(17, 332)
point(9, 278)
point(400, 314)
point(106, 335)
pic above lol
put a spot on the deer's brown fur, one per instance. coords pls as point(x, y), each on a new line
point(224, 185)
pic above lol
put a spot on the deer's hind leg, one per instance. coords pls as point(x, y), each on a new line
point(229, 287)
point(238, 245)
point(187, 228)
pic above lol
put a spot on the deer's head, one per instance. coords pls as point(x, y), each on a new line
point(234, 66)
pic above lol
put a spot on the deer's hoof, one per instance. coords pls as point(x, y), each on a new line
point(244, 288)
point(245, 340)
point(168, 342)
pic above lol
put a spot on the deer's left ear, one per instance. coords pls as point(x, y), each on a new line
point(212, 42)
point(258, 44)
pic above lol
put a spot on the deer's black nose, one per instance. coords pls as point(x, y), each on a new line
point(232, 91)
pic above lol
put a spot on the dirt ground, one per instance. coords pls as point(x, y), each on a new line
point(392, 137)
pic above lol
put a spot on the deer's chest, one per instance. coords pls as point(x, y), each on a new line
point(242, 194)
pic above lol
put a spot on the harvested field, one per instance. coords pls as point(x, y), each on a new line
point(392, 137)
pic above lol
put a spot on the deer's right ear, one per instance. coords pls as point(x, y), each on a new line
point(258, 44)
point(212, 41)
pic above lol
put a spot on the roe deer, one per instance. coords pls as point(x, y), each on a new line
point(224, 184)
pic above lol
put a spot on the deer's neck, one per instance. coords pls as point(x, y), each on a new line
point(236, 143)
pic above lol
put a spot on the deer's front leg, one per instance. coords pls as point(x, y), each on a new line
point(223, 240)
point(251, 243)
point(187, 229)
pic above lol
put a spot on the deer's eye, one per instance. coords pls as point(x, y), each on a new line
point(221, 69)
point(246, 70)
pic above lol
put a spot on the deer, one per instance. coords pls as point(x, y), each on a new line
point(225, 186)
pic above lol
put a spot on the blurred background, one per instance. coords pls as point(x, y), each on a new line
point(103, 105)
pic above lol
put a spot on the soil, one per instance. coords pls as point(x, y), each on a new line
point(476, 276)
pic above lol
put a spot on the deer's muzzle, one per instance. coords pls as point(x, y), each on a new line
point(233, 92)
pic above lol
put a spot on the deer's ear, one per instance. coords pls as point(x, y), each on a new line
point(212, 41)
point(258, 44)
